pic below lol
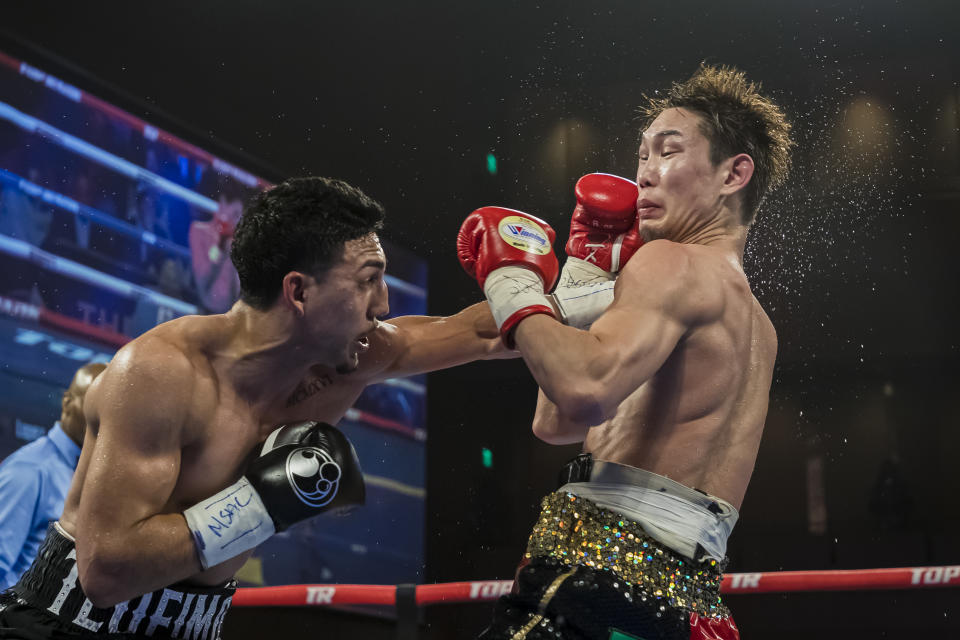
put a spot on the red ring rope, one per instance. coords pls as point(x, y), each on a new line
point(456, 592)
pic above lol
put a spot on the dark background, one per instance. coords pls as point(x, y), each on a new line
point(854, 260)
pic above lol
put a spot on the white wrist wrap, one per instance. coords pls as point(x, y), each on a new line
point(583, 292)
point(228, 523)
point(512, 288)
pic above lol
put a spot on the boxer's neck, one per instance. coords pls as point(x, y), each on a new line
point(720, 229)
point(261, 354)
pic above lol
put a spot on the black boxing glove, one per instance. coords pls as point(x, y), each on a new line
point(303, 469)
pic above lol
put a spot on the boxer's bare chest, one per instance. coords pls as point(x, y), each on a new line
point(221, 445)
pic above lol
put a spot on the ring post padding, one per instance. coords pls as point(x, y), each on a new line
point(408, 613)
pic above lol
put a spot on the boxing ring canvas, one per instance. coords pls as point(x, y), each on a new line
point(109, 226)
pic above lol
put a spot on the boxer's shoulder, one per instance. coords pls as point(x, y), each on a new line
point(390, 340)
point(162, 373)
point(153, 357)
point(660, 257)
point(674, 277)
point(680, 258)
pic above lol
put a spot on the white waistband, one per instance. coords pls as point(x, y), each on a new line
point(63, 532)
point(670, 512)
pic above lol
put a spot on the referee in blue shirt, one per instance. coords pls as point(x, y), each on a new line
point(35, 478)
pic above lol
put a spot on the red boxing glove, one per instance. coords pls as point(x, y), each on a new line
point(603, 235)
point(603, 229)
point(510, 253)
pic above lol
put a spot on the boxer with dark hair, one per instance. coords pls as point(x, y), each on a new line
point(208, 433)
point(668, 389)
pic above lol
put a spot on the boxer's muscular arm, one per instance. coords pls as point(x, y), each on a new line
point(410, 345)
point(124, 546)
point(658, 298)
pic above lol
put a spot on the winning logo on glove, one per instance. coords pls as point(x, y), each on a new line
point(524, 234)
point(313, 476)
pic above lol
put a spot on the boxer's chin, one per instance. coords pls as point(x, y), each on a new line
point(649, 232)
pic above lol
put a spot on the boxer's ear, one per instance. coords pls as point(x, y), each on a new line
point(738, 171)
point(293, 290)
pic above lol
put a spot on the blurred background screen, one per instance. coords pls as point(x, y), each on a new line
point(110, 226)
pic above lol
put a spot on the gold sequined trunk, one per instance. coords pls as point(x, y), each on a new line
point(576, 531)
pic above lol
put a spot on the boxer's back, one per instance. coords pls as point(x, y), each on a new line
point(698, 420)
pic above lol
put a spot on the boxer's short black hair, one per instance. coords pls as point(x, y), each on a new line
point(736, 118)
point(299, 225)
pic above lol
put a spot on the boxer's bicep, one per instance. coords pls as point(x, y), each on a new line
point(135, 467)
point(141, 409)
point(656, 302)
point(410, 345)
point(638, 341)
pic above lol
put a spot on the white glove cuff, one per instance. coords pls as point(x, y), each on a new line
point(583, 292)
point(228, 523)
point(512, 288)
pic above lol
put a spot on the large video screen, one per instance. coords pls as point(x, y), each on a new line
point(109, 226)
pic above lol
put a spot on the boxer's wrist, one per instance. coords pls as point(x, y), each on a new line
point(228, 523)
point(515, 292)
point(582, 310)
point(577, 272)
point(583, 293)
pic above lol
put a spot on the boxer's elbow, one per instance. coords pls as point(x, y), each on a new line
point(102, 576)
point(584, 392)
point(102, 599)
point(580, 405)
point(560, 432)
point(100, 588)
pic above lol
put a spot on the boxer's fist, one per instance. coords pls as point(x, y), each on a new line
point(494, 237)
point(603, 228)
point(510, 253)
point(303, 469)
point(603, 235)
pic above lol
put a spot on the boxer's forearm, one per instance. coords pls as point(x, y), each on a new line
point(154, 553)
point(587, 374)
point(561, 358)
point(482, 339)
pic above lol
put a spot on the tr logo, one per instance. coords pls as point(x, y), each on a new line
point(746, 580)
